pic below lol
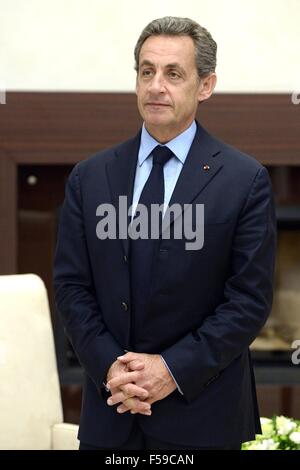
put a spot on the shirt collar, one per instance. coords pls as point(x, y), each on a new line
point(180, 145)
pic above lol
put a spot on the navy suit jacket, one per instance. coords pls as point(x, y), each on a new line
point(206, 306)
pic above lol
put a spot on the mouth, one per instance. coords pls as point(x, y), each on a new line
point(157, 105)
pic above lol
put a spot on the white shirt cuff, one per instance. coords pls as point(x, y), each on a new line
point(178, 388)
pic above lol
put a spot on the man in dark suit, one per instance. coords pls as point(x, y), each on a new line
point(163, 331)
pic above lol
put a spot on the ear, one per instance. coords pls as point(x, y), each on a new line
point(207, 86)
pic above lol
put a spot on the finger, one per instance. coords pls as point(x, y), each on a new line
point(130, 356)
point(126, 392)
point(133, 390)
point(135, 406)
point(122, 379)
point(116, 398)
point(135, 365)
point(145, 413)
point(123, 408)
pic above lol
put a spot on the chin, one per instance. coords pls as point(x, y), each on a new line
point(156, 120)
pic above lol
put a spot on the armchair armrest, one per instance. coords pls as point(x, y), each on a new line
point(64, 436)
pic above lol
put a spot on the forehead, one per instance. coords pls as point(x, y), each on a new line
point(162, 50)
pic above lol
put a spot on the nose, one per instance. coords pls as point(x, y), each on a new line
point(157, 84)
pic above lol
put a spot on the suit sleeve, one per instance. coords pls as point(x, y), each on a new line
point(200, 356)
point(75, 293)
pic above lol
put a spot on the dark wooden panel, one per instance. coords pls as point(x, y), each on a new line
point(47, 123)
point(65, 127)
point(8, 215)
point(266, 126)
point(46, 191)
point(286, 184)
point(41, 191)
point(37, 239)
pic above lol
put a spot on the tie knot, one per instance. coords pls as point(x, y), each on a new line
point(161, 154)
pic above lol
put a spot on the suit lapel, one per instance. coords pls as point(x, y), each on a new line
point(198, 170)
point(121, 174)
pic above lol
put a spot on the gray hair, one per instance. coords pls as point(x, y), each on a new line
point(205, 46)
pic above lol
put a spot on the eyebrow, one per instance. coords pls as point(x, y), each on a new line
point(173, 65)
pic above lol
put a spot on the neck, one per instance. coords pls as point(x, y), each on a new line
point(164, 135)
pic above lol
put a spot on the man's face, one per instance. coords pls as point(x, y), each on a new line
point(168, 86)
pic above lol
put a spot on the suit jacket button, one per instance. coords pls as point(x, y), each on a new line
point(125, 258)
point(125, 306)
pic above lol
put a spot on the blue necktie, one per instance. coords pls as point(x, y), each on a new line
point(142, 251)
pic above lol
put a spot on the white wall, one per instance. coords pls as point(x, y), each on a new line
point(88, 44)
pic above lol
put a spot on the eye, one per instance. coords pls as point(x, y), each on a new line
point(173, 75)
point(146, 73)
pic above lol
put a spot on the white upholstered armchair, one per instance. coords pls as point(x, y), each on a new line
point(30, 403)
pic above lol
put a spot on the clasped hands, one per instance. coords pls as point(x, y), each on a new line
point(136, 380)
